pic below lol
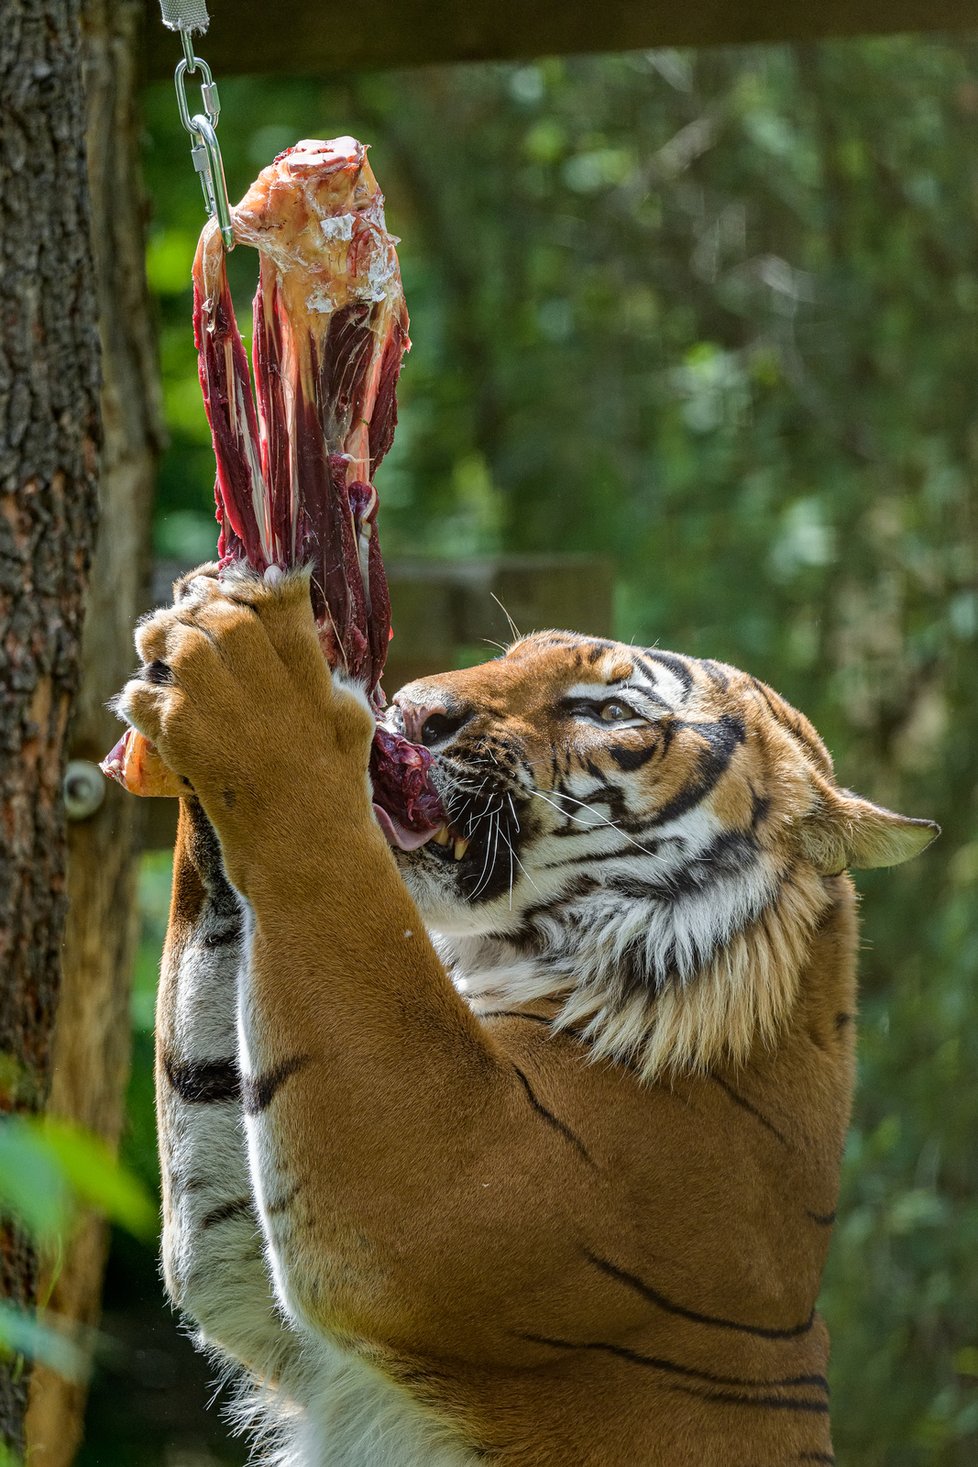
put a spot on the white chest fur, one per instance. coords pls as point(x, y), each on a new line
point(341, 1412)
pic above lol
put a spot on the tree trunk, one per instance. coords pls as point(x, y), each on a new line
point(91, 1047)
point(48, 465)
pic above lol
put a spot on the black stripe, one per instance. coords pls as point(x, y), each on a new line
point(204, 850)
point(767, 1403)
point(824, 1219)
point(203, 1082)
point(589, 858)
point(787, 718)
point(281, 1203)
point(673, 664)
point(188, 621)
point(715, 673)
point(762, 1331)
point(644, 666)
point(259, 1091)
point(727, 857)
point(180, 1183)
point(751, 1109)
point(222, 939)
point(760, 808)
point(240, 601)
point(582, 886)
point(551, 1119)
point(638, 890)
point(631, 759)
point(226, 1211)
point(841, 1021)
point(825, 1457)
point(517, 1014)
point(672, 1367)
point(722, 740)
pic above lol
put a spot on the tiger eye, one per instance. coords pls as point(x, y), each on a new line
point(614, 712)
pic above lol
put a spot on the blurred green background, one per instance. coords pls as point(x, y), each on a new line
point(713, 315)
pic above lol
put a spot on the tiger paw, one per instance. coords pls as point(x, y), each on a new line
point(236, 696)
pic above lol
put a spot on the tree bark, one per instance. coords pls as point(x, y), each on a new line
point(49, 434)
point(92, 1039)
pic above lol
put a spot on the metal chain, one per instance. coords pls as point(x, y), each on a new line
point(202, 127)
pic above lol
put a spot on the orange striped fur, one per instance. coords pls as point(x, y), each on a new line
point(520, 1148)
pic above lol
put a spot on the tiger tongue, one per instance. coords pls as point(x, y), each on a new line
point(398, 835)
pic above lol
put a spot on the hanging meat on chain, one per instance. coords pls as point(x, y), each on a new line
point(296, 458)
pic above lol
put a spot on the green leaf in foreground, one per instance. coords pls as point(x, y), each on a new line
point(48, 1167)
point(33, 1190)
point(98, 1178)
point(22, 1334)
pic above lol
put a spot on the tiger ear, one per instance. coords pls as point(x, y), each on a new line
point(844, 830)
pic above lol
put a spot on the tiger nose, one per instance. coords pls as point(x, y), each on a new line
point(430, 721)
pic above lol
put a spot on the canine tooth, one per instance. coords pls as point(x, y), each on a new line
point(442, 837)
point(461, 846)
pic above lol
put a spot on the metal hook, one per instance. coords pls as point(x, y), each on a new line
point(206, 155)
point(206, 150)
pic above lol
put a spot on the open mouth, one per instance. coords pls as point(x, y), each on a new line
point(477, 832)
point(407, 806)
point(445, 840)
point(406, 803)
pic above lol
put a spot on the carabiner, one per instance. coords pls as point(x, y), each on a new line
point(206, 155)
point(202, 127)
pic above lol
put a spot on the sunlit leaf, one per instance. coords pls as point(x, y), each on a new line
point(23, 1334)
point(97, 1177)
point(33, 1187)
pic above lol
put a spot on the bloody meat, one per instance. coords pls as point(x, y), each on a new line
point(296, 457)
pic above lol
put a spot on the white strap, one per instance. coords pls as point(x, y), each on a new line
point(185, 15)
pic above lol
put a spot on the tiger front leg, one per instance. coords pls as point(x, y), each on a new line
point(370, 1090)
point(212, 1245)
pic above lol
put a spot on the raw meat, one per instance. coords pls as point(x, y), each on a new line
point(296, 459)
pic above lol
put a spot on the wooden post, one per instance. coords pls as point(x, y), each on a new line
point(92, 1038)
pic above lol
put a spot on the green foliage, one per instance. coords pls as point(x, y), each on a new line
point(24, 1334)
point(715, 316)
point(49, 1170)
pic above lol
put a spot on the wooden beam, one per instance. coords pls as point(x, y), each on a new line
point(319, 36)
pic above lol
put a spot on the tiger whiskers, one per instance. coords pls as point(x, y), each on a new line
point(517, 634)
point(489, 864)
point(526, 873)
point(599, 820)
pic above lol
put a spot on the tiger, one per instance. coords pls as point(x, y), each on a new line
point(520, 1144)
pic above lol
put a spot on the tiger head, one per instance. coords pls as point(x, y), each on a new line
point(641, 836)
